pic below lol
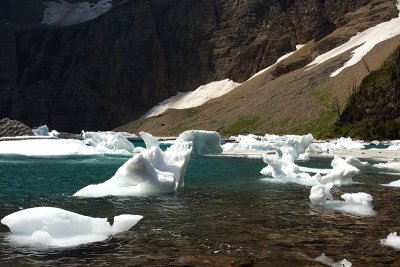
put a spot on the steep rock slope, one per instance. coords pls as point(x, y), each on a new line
point(108, 71)
point(288, 97)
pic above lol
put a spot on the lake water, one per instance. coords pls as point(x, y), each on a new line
point(224, 211)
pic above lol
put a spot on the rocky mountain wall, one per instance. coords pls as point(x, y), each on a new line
point(106, 72)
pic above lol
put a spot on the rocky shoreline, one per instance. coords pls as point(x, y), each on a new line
point(9, 128)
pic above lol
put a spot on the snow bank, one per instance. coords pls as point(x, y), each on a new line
point(361, 44)
point(44, 131)
point(392, 240)
point(109, 142)
point(330, 262)
point(47, 148)
point(194, 98)
point(63, 13)
point(203, 142)
point(359, 204)
point(54, 227)
point(149, 140)
point(152, 171)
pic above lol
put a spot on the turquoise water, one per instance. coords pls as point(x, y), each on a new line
point(223, 212)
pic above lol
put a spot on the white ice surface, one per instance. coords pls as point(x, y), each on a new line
point(47, 148)
point(63, 13)
point(331, 263)
point(149, 140)
point(150, 172)
point(112, 143)
point(359, 204)
point(341, 174)
point(194, 98)
point(248, 142)
point(392, 240)
point(54, 227)
point(361, 44)
point(203, 142)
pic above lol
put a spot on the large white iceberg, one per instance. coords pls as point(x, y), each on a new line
point(112, 143)
point(359, 204)
point(203, 142)
point(47, 148)
point(54, 227)
point(392, 240)
point(152, 171)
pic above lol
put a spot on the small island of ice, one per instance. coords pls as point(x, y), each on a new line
point(152, 171)
point(54, 227)
point(392, 240)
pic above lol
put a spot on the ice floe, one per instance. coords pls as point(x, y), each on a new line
point(63, 13)
point(149, 140)
point(203, 142)
point(361, 44)
point(44, 131)
point(338, 144)
point(48, 148)
point(331, 263)
point(54, 227)
point(392, 240)
point(248, 142)
point(359, 204)
point(152, 171)
point(341, 174)
point(112, 143)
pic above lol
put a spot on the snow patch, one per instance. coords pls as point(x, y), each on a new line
point(392, 240)
point(361, 44)
point(63, 13)
point(54, 227)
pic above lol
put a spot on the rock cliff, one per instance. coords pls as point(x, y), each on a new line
point(103, 73)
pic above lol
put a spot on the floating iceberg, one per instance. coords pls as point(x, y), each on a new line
point(112, 143)
point(54, 227)
point(359, 204)
point(47, 148)
point(152, 171)
point(44, 131)
point(248, 142)
point(392, 240)
point(341, 174)
point(149, 140)
point(330, 262)
point(203, 142)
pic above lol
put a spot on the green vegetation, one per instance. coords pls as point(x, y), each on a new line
point(245, 124)
point(323, 96)
point(374, 111)
point(321, 128)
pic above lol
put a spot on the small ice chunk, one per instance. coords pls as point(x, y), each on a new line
point(149, 140)
point(341, 174)
point(54, 227)
point(392, 240)
point(203, 142)
point(112, 143)
point(320, 194)
point(330, 262)
point(152, 171)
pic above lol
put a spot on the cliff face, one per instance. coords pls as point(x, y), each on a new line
point(108, 71)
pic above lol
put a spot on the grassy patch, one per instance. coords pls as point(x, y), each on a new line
point(323, 96)
point(242, 125)
point(322, 127)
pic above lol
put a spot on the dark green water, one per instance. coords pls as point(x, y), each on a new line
point(224, 211)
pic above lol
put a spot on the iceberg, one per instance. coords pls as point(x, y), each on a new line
point(248, 142)
point(112, 143)
point(48, 148)
point(44, 131)
point(203, 142)
point(150, 172)
point(149, 140)
point(359, 204)
point(392, 240)
point(54, 227)
point(341, 174)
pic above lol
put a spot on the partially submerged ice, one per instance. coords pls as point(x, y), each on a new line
point(359, 204)
point(341, 174)
point(149, 140)
point(330, 262)
point(203, 142)
point(392, 240)
point(54, 227)
point(112, 143)
point(150, 172)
